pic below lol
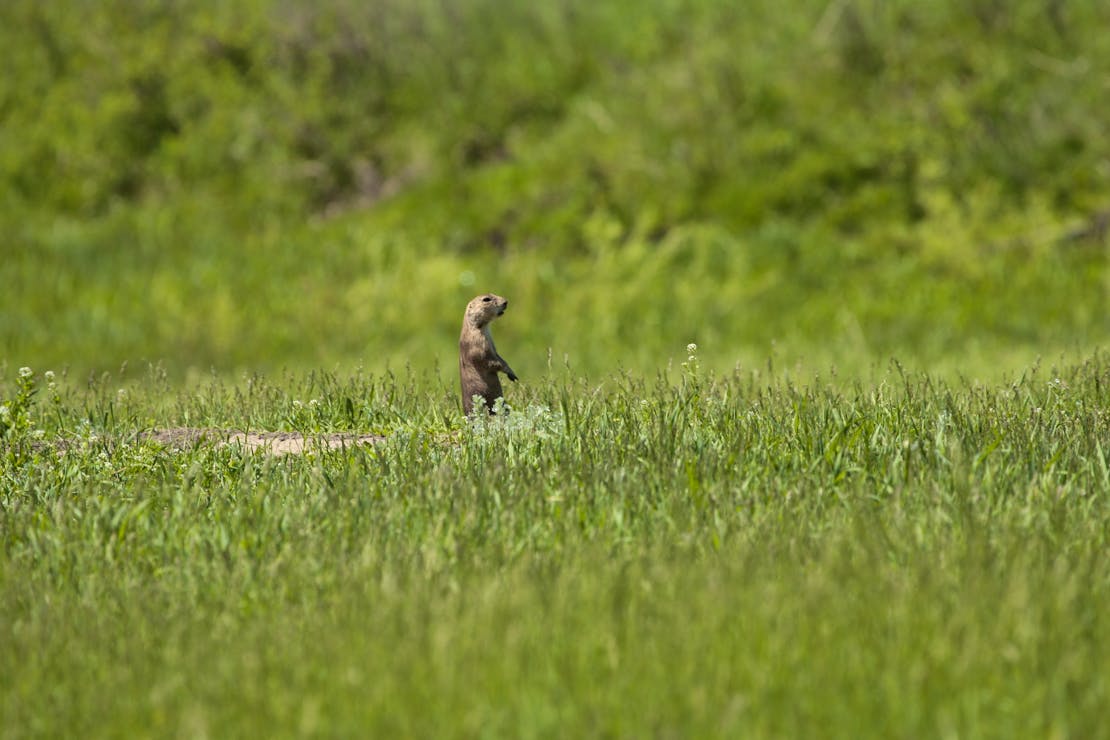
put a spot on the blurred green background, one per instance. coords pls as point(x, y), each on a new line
point(263, 184)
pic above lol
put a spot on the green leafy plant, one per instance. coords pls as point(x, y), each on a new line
point(17, 422)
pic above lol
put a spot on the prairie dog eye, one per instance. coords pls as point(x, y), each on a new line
point(487, 299)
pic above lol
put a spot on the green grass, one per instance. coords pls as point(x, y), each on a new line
point(266, 215)
point(692, 554)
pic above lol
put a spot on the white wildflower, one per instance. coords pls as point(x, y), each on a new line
point(26, 372)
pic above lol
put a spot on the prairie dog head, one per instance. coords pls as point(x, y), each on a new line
point(485, 308)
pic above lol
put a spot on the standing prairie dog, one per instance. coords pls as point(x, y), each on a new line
point(479, 362)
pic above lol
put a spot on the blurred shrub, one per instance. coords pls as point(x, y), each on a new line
point(173, 177)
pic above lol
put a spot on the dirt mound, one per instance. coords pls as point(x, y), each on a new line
point(275, 443)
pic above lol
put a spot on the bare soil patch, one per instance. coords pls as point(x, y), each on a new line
point(275, 443)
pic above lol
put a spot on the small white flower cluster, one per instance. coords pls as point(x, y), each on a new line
point(535, 421)
point(691, 364)
point(86, 432)
point(52, 386)
point(26, 372)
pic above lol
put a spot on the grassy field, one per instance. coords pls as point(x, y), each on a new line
point(267, 216)
point(688, 555)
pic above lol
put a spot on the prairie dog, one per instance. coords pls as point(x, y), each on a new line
point(479, 362)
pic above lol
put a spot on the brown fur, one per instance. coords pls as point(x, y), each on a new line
point(479, 362)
